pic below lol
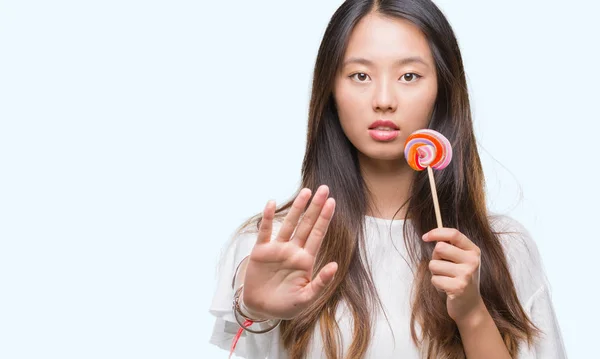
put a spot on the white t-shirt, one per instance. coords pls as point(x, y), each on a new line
point(393, 279)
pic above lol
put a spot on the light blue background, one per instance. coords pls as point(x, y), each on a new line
point(136, 135)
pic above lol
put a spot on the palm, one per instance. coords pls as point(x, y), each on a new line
point(278, 278)
point(281, 269)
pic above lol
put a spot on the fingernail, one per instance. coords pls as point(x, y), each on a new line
point(425, 236)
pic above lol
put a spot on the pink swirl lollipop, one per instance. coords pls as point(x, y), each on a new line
point(427, 149)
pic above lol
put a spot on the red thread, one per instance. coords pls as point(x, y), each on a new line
point(247, 323)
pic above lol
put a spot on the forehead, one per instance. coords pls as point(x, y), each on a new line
point(382, 38)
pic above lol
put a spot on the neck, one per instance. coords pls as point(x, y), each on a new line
point(388, 182)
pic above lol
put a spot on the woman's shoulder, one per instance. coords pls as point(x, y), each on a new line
point(522, 256)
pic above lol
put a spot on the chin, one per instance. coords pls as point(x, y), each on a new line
point(383, 154)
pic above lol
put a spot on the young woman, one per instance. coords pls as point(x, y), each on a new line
point(360, 270)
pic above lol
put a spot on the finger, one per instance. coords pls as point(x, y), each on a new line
point(319, 230)
point(317, 285)
point(446, 284)
point(266, 224)
point(452, 236)
point(291, 219)
point(311, 216)
point(449, 252)
point(444, 268)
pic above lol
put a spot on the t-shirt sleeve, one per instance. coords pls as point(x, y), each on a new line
point(549, 344)
point(225, 328)
point(533, 288)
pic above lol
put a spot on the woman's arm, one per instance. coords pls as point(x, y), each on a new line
point(480, 336)
point(455, 268)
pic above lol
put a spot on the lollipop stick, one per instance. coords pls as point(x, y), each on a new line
point(436, 204)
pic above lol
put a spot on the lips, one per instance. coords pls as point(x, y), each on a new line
point(383, 130)
point(383, 125)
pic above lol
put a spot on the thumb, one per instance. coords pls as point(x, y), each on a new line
point(325, 276)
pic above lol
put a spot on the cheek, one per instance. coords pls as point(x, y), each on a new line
point(348, 100)
point(351, 110)
point(429, 96)
point(417, 107)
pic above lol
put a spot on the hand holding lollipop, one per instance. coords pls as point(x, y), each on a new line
point(455, 264)
point(426, 149)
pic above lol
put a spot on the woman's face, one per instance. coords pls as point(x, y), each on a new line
point(388, 74)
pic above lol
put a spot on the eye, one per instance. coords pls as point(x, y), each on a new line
point(410, 77)
point(359, 77)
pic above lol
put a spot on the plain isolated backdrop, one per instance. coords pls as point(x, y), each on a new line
point(136, 135)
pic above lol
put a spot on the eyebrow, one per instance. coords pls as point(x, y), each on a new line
point(404, 61)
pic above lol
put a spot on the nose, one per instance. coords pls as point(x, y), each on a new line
point(385, 97)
